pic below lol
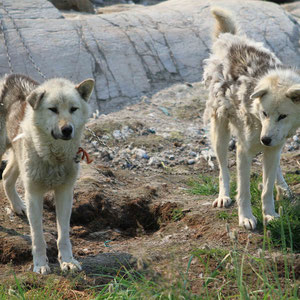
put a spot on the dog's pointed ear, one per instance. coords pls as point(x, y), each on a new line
point(294, 93)
point(35, 98)
point(258, 93)
point(85, 88)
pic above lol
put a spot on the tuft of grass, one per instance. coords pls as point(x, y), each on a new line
point(206, 185)
point(32, 286)
point(288, 225)
point(177, 214)
point(292, 178)
point(238, 274)
point(133, 285)
point(228, 216)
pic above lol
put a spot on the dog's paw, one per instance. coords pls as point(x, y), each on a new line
point(284, 192)
point(72, 266)
point(43, 270)
point(19, 209)
point(270, 217)
point(222, 201)
point(248, 222)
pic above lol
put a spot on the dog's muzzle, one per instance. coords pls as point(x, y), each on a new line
point(67, 132)
point(266, 140)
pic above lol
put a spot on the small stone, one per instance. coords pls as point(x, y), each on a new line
point(100, 234)
point(117, 134)
point(145, 156)
point(151, 130)
point(192, 154)
point(145, 132)
point(171, 157)
point(191, 162)
point(8, 210)
point(95, 144)
point(154, 161)
point(126, 131)
point(231, 146)
point(105, 137)
point(99, 2)
point(140, 153)
point(291, 148)
point(296, 138)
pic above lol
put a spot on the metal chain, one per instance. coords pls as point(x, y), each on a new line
point(4, 31)
point(96, 137)
point(169, 171)
point(25, 46)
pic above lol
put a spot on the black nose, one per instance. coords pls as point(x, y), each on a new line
point(266, 140)
point(67, 131)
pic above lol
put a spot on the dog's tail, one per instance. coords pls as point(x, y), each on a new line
point(224, 22)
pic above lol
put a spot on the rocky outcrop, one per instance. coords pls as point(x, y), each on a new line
point(78, 5)
point(134, 53)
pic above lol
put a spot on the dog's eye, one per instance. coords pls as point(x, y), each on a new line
point(265, 114)
point(73, 109)
point(281, 117)
point(54, 109)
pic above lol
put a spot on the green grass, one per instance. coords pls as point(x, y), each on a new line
point(238, 274)
point(228, 216)
point(177, 214)
point(134, 285)
point(208, 185)
point(211, 273)
point(32, 286)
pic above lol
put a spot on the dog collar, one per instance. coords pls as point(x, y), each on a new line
point(81, 155)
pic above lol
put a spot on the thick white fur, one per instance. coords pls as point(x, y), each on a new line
point(46, 163)
point(248, 106)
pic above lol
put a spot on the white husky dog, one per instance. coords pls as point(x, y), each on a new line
point(255, 97)
point(42, 124)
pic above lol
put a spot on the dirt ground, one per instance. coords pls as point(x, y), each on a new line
point(130, 208)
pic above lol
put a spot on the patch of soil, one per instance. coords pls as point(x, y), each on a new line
point(124, 204)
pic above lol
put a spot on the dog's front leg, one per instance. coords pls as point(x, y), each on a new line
point(64, 200)
point(34, 204)
point(244, 159)
point(271, 158)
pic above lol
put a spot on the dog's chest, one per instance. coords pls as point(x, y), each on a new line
point(51, 174)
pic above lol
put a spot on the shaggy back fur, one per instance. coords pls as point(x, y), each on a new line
point(14, 89)
point(15, 86)
point(233, 69)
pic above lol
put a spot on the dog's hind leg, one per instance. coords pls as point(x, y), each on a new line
point(271, 158)
point(2, 145)
point(10, 176)
point(282, 187)
point(63, 205)
point(220, 136)
point(244, 159)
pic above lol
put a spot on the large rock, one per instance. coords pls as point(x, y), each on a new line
point(133, 53)
point(79, 5)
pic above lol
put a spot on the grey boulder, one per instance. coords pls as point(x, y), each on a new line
point(131, 53)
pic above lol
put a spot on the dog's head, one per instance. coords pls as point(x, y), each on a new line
point(60, 108)
point(277, 105)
